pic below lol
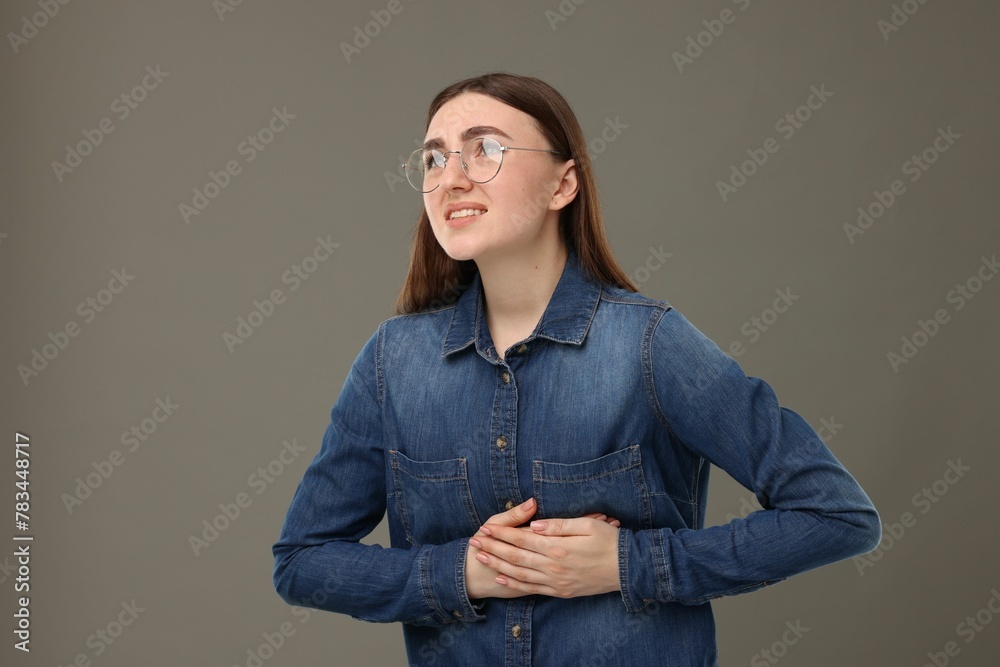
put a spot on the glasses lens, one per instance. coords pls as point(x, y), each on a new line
point(422, 169)
point(482, 158)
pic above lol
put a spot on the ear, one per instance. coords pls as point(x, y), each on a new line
point(568, 187)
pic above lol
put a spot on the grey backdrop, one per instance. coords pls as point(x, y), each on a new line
point(664, 132)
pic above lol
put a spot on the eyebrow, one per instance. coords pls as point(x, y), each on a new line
point(470, 133)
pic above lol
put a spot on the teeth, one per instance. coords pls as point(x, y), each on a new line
point(465, 212)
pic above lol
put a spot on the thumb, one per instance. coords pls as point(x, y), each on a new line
point(515, 516)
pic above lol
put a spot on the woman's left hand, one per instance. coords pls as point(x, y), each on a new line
point(559, 557)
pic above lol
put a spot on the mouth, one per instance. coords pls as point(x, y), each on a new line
point(465, 213)
point(462, 210)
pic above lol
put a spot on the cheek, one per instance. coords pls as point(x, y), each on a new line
point(528, 203)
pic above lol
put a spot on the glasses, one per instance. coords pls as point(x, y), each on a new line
point(480, 158)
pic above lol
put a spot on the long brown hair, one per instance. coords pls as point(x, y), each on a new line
point(435, 279)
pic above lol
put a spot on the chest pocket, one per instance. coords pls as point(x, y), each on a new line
point(612, 484)
point(433, 499)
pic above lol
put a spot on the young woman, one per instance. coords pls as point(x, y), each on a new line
point(542, 443)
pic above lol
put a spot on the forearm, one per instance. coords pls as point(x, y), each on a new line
point(693, 566)
point(423, 586)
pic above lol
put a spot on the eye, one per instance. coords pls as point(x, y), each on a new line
point(490, 147)
point(433, 158)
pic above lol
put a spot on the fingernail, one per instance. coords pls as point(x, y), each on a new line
point(474, 542)
point(538, 525)
point(602, 517)
point(482, 558)
point(486, 530)
point(528, 503)
point(501, 581)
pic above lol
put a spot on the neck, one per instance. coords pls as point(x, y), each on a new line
point(517, 286)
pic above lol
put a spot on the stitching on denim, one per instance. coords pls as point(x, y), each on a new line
point(379, 371)
point(660, 558)
point(464, 491)
point(641, 300)
point(623, 577)
point(736, 591)
point(397, 485)
point(631, 452)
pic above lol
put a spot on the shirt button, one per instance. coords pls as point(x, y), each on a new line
point(506, 377)
point(502, 443)
point(456, 613)
point(522, 348)
point(515, 631)
point(509, 505)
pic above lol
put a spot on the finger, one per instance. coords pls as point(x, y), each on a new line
point(513, 537)
point(603, 517)
point(580, 526)
point(520, 569)
point(515, 516)
point(538, 589)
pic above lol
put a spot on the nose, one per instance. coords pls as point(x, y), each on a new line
point(453, 175)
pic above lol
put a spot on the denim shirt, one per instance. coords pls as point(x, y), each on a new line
point(615, 403)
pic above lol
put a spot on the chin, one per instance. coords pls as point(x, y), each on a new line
point(460, 254)
point(460, 249)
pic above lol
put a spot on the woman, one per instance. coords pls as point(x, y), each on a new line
point(548, 397)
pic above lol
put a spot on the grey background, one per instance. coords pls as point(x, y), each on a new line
point(325, 175)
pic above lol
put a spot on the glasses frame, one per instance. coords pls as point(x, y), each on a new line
point(503, 149)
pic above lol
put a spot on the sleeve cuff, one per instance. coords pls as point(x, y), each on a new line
point(442, 576)
point(642, 569)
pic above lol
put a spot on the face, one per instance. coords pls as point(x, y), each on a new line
point(520, 205)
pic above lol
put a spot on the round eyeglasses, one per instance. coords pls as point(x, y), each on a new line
point(480, 159)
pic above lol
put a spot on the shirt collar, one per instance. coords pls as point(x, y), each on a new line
point(566, 319)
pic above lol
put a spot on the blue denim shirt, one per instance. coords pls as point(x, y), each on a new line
point(615, 403)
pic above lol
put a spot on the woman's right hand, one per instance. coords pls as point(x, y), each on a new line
point(480, 580)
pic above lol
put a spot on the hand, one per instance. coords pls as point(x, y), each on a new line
point(481, 580)
point(559, 557)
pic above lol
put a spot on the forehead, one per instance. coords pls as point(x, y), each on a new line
point(475, 109)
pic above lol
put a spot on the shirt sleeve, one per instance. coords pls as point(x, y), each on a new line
point(814, 513)
point(319, 561)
